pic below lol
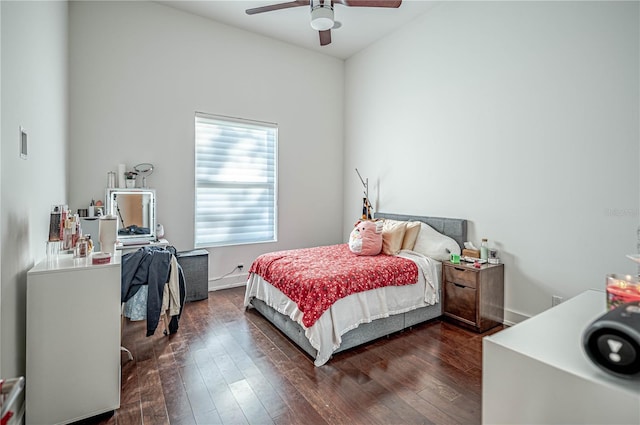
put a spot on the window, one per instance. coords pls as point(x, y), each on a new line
point(236, 181)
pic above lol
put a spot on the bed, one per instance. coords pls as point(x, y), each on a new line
point(363, 316)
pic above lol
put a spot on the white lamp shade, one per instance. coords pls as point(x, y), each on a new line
point(322, 18)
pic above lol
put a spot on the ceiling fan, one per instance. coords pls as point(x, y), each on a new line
point(322, 12)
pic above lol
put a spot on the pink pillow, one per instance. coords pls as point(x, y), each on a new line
point(366, 238)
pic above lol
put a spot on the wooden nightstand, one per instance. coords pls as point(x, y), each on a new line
point(473, 297)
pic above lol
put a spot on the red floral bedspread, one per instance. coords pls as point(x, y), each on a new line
point(315, 278)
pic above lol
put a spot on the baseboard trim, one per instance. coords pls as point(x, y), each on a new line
point(227, 282)
point(513, 317)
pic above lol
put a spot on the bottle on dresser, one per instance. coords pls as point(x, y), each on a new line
point(484, 249)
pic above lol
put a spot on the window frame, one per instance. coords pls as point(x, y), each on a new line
point(270, 186)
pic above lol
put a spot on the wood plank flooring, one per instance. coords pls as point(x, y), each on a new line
point(226, 365)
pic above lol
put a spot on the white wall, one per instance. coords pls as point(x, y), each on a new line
point(138, 73)
point(34, 95)
point(1, 186)
point(522, 117)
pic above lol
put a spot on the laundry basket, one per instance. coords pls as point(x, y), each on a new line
point(195, 266)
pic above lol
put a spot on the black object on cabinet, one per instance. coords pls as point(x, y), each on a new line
point(612, 341)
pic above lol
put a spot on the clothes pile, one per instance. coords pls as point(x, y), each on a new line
point(152, 285)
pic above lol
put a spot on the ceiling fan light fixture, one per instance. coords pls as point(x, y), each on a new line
point(322, 18)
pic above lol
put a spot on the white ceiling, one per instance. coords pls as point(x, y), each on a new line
point(361, 26)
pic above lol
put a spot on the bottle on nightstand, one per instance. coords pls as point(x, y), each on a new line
point(484, 249)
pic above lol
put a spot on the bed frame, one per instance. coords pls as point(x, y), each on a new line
point(366, 332)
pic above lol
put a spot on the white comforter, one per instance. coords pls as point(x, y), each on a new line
point(349, 312)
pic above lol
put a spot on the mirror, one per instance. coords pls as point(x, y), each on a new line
point(145, 169)
point(135, 210)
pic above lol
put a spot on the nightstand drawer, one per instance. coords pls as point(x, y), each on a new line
point(462, 275)
point(460, 301)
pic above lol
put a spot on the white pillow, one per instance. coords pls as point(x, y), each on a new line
point(434, 244)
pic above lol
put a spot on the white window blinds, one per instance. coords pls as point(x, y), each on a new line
point(236, 181)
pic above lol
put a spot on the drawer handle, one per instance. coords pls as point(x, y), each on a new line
point(459, 285)
point(459, 269)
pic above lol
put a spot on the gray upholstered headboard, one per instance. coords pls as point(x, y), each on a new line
point(455, 228)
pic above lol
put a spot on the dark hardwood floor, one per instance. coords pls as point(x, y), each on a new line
point(226, 365)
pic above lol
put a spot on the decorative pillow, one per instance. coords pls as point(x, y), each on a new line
point(434, 244)
point(366, 238)
point(392, 236)
point(411, 235)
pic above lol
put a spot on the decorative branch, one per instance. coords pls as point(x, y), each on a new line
point(366, 210)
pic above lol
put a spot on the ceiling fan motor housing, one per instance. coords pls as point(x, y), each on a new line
point(322, 16)
point(322, 12)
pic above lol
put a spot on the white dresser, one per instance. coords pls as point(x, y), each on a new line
point(536, 372)
point(73, 340)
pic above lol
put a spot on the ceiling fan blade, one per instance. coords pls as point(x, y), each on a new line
point(325, 37)
point(278, 6)
point(370, 3)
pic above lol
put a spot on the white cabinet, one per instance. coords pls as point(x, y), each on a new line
point(73, 340)
point(537, 372)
